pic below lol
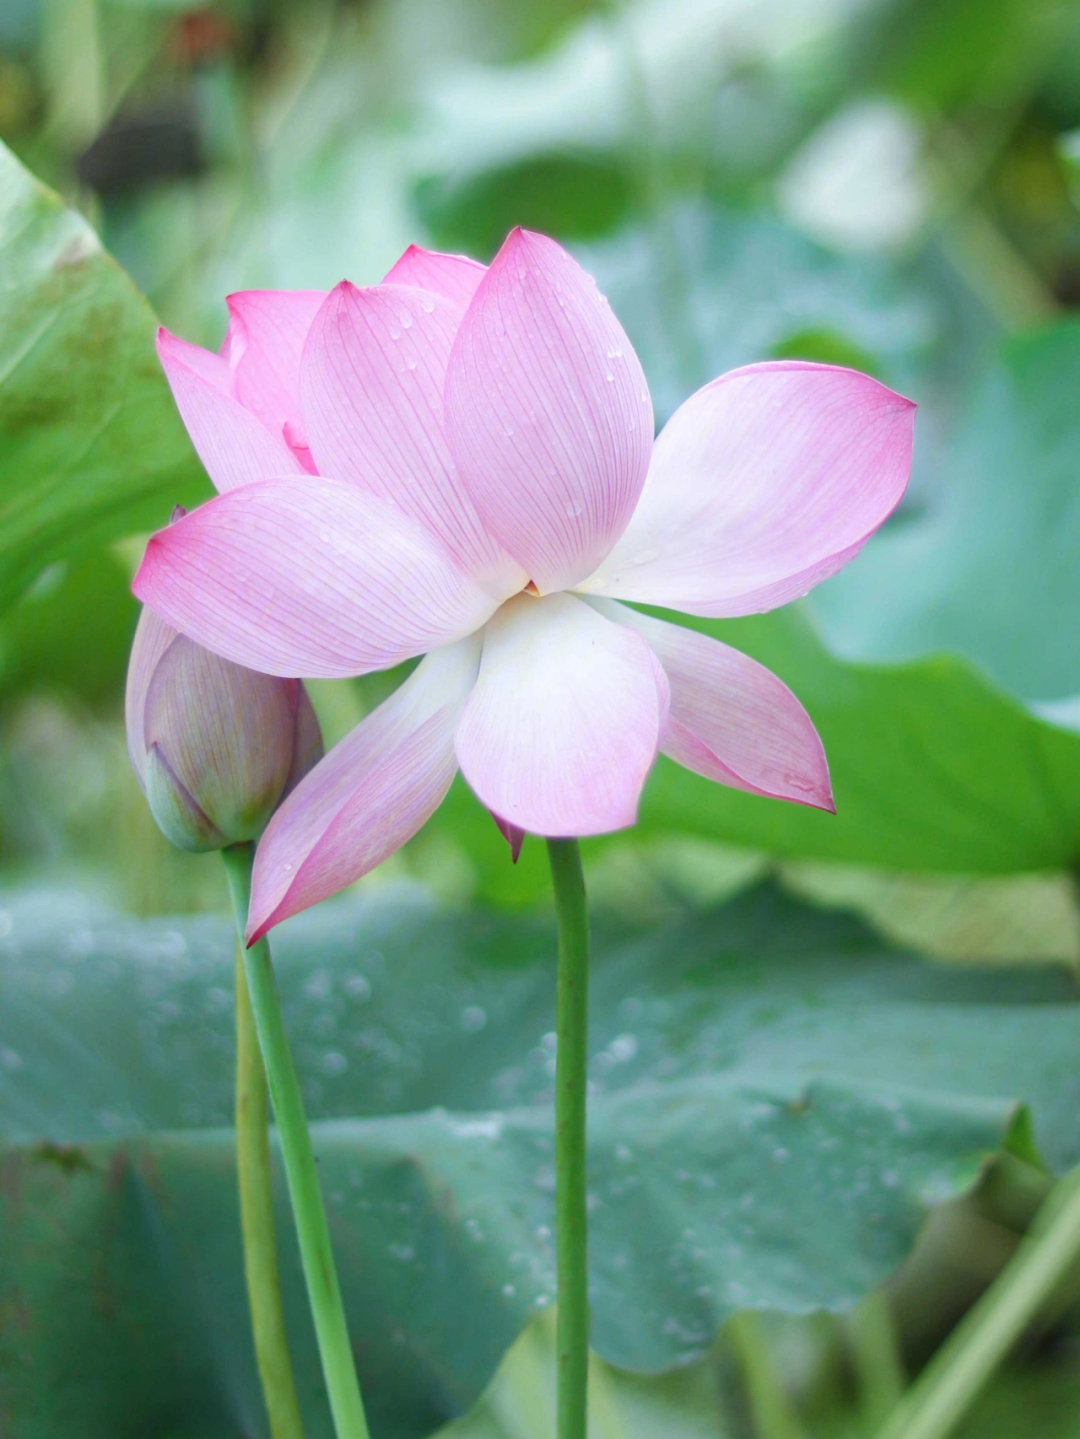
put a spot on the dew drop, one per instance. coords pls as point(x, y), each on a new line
point(358, 988)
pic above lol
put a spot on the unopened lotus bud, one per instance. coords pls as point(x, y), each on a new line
point(215, 747)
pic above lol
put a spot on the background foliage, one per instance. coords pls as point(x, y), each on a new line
point(893, 184)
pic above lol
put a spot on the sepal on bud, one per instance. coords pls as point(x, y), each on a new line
point(215, 746)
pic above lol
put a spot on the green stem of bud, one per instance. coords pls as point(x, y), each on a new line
point(312, 1231)
point(257, 1223)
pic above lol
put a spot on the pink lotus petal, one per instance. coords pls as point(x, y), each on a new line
point(308, 577)
point(732, 720)
point(455, 277)
point(267, 330)
point(547, 412)
point(372, 381)
point(514, 836)
point(152, 638)
point(369, 795)
point(234, 446)
point(762, 484)
point(564, 722)
point(307, 741)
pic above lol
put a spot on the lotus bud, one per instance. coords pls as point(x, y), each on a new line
point(215, 747)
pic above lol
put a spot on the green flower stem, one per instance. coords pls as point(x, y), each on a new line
point(772, 1414)
point(941, 1395)
point(571, 1237)
point(875, 1355)
point(257, 1223)
point(324, 1293)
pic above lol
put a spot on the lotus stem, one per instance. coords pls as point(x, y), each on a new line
point(312, 1231)
point(571, 1224)
point(945, 1389)
point(257, 1223)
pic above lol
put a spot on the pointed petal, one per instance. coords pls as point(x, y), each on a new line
point(514, 836)
point(372, 381)
point(267, 330)
point(233, 445)
point(308, 577)
point(152, 638)
point(369, 795)
point(548, 412)
point(455, 277)
point(762, 484)
point(563, 725)
point(731, 719)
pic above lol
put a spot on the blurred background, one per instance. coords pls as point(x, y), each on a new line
point(892, 184)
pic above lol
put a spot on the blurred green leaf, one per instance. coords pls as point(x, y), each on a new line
point(91, 446)
point(778, 1100)
point(991, 569)
point(941, 54)
point(708, 287)
point(570, 196)
point(72, 632)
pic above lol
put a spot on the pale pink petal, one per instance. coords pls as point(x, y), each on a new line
point(208, 366)
point(234, 446)
point(307, 741)
point(152, 638)
point(563, 725)
point(369, 795)
point(762, 484)
point(267, 330)
point(455, 277)
point(372, 387)
point(548, 412)
point(308, 577)
point(731, 719)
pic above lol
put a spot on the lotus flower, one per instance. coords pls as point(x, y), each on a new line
point(460, 462)
point(215, 747)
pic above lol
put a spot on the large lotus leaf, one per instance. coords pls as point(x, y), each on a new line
point(91, 446)
point(777, 1100)
point(990, 569)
